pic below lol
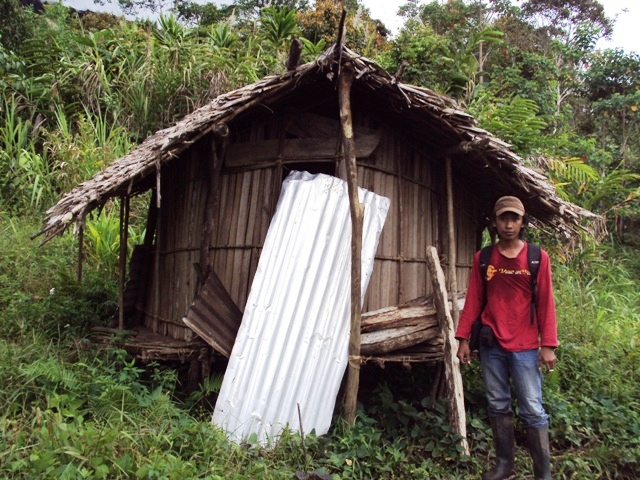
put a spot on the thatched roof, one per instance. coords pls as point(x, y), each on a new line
point(484, 162)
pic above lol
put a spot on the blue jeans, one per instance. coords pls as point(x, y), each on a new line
point(498, 366)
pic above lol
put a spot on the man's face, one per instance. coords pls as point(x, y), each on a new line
point(508, 225)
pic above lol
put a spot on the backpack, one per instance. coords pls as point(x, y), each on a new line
point(533, 259)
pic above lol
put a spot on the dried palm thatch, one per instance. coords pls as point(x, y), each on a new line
point(487, 163)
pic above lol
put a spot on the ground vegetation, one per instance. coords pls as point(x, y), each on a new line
point(77, 92)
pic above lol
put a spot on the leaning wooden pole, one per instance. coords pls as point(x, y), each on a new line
point(357, 213)
point(455, 396)
point(453, 256)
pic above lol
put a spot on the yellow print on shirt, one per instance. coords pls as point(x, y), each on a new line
point(491, 271)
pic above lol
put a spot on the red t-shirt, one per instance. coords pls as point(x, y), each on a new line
point(507, 310)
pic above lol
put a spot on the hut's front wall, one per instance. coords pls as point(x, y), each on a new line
point(246, 205)
point(247, 198)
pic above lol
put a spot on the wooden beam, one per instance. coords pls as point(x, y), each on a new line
point(345, 81)
point(416, 312)
point(294, 150)
point(393, 339)
point(457, 416)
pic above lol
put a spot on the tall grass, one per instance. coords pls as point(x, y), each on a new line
point(593, 396)
point(24, 173)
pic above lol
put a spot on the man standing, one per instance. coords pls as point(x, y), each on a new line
point(516, 341)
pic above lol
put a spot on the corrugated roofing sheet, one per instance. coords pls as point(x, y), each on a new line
point(292, 346)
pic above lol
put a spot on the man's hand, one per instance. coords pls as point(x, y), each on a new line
point(547, 358)
point(464, 353)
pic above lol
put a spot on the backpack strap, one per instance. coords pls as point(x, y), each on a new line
point(485, 258)
point(533, 259)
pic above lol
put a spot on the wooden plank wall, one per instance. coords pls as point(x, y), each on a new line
point(246, 203)
point(180, 221)
point(245, 213)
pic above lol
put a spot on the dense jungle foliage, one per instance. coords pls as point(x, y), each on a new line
point(78, 91)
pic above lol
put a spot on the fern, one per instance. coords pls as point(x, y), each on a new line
point(210, 386)
point(573, 171)
point(50, 374)
point(116, 402)
point(619, 187)
point(517, 122)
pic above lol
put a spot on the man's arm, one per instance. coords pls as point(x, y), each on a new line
point(545, 305)
point(473, 305)
point(473, 302)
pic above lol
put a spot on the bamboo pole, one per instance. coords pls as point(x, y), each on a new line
point(453, 378)
point(345, 82)
point(453, 256)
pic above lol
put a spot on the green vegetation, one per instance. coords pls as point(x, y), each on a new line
point(73, 409)
point(75, 94)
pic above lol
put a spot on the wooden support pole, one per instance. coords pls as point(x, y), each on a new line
point(457, 416)
point(357, 214)
point(156, 250)
point(453, 256)
point(152, 221)
point(124, 230)
point(80, 251)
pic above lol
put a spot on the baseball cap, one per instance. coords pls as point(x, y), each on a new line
point(508, 204)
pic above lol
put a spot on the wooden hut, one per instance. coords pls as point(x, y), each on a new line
point(216, 177)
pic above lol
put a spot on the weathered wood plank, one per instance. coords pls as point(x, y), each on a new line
point(393, 339)
point(457, 416)
point(294, 150)
point(414, 312)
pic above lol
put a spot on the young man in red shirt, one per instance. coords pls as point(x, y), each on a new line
point(515, 348)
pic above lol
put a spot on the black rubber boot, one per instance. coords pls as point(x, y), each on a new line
point(504, 441)
point(538, 439)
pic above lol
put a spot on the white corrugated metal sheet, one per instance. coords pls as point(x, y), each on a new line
point(292, 346)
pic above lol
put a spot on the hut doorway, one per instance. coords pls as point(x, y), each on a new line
point(328, 168)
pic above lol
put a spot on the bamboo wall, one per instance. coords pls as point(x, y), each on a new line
point(173, 283)
point(247, 197)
